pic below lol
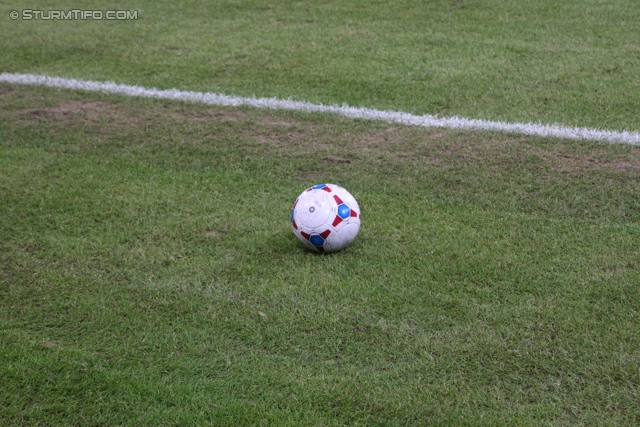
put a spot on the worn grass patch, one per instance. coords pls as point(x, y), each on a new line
point(149, 275)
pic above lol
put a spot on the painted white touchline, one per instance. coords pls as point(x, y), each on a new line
point(427, 120)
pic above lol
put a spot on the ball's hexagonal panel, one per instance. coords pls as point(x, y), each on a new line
point(316, 240)
point(343, 211)
point(313, 211)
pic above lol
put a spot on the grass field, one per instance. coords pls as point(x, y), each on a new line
point(570, 62)
point(149, 276)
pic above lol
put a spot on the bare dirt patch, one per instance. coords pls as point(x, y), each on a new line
point(576, 162)
point(75, 112)
point(47, 343)
point(271, 121)
point(204, 116)
point(336, 159)
point(5, 89)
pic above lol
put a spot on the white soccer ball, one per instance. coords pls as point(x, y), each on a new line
point(325, 218)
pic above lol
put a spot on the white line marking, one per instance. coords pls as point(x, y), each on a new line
point(556, 131)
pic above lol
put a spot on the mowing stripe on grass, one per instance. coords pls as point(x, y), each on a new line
point(427, 120)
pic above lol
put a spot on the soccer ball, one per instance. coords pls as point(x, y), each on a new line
point(325, 218)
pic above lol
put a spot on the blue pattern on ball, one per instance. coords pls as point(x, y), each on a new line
point(343, 211)
point(316, 240)
point(292, 211)
point(319, 186)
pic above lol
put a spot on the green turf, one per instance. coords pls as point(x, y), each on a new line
point(569, 62)
point(148, 274)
